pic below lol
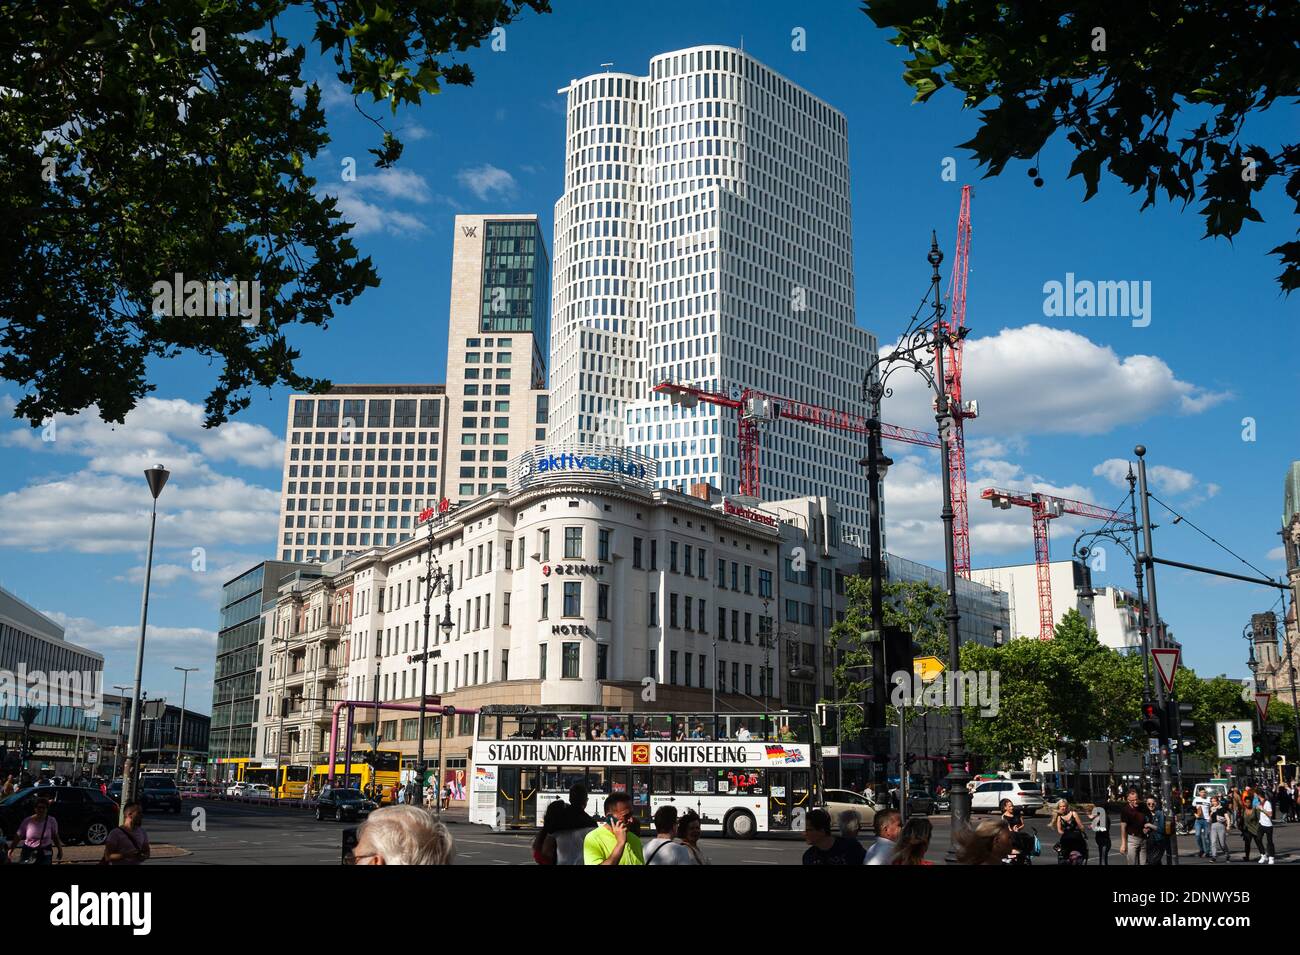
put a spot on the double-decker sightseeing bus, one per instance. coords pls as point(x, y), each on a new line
point(743, 773)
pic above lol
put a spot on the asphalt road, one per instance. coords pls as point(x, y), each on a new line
point(234, 834)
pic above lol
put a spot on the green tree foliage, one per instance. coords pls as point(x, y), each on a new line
point(916, 606)
point(1114, 78)
point(141, 140)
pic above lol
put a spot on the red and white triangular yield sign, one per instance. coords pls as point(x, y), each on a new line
point(1261, 704)
point(1166, 660)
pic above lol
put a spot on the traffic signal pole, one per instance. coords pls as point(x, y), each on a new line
point(1166, 782)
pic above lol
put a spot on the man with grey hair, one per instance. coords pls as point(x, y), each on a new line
point(402, 835)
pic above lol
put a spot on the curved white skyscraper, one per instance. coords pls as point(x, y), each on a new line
point(704, 236)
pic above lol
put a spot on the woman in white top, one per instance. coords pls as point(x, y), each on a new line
point(1264, 812)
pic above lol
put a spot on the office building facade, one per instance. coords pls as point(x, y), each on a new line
point(498, 345)
point(704, 237)
point(360, 462)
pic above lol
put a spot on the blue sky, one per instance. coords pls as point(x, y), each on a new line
point(1063, 400)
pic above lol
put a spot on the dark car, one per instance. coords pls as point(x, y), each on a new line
point(159, 792)
point(84, 815)
point(341, 804)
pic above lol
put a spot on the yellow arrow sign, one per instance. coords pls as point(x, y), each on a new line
point(927, 668)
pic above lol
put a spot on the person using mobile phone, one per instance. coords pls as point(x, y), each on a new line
point(613, 842)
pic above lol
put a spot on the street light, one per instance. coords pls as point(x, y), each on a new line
point(28, 715)
point(435, 579)
point(930, 337)
point(156, 477)
point(180, 733)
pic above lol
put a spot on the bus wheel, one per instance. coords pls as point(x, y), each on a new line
point(740, 825)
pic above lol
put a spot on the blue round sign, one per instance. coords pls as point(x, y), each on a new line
point(1234, 736)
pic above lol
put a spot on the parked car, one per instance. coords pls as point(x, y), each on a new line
point(845, 800)
point(1022, 793)
point(341, 804)
point(84, 815)
point(159, 792)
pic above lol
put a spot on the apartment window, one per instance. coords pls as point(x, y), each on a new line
point(672, 667)
point(686, 560)
point(749, 621)
point(505, 662)
point(686, 670)
point(702, 628)
point(748, 570)
point(735, 626)
point(749, 679)
point(546, 602)
point(636, 553)
point(505, 610)
point(701, 573)
point(765, 583)
point(722, 623)
point(654, 555)
point(672, 556)
point(735, 677)
point(602, 661)
point(735, 576)
point(573, 543)
point(541, 662)
point(652, 663)
point(687, 610)
point(672, 611)
point(722, 573)
point(569, 662)
point(704, 671)
point(654, 609)
point(572, 598)
point(602, 601)
point(722, 677)
point(792, 611)
point(602, 546)
point(546, 545)
point(508, 561)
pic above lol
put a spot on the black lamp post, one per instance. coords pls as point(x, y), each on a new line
point(28, 715)
point(435, 579)
point(921, 349)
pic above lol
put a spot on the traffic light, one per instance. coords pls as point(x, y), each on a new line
point(1152, 719)
point(1180, 719)
point(898, 651)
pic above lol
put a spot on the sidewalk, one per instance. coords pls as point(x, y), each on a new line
point(90, 855)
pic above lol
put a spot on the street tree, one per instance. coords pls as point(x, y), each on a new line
point(140, 142)
point(1115, 79)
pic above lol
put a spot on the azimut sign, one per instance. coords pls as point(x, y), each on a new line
point(566, 462)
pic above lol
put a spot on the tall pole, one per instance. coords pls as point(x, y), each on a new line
point(1143, 621)
point(284, 689)
point(875, 702)
point(944, 416)
point(156, 477)
point(1166, 783)
point(1290, 665)
point(424, 659)
point(180, 734)
point(121, 736)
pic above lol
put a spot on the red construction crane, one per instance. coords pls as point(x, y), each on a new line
point(1044, 508)
point(756, 408)
point(951, 372)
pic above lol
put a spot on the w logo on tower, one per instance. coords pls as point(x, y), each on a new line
point(469, 231)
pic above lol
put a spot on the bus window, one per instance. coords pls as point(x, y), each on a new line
point(570, 776)
point(616, 727)
point(653, 727)
point(800, 789)
point(701, 727)
point(597, 727)
point(551, 729)
point(693, 781)
point(550, 781)
point(597, 781)
point(573, 727)
point(662, 781)
point(740, 782)
point(488, 727)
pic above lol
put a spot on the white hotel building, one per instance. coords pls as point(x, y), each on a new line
point(704, 236)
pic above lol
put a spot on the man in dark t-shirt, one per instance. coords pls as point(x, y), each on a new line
point(826, 849)
point(1133, 830)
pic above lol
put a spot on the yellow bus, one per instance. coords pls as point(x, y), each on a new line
point(287, 782)
point(361, 775)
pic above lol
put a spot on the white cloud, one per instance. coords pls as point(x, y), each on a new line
point(165, 647)
point(414, 134)
point(1078, 387)
point(102, 504)
point(487, 180)
point(369, 218)
point(1277, 553)
point(393, 184)
point(1164, 479)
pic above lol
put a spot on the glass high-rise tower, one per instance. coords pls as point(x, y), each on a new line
point(704, 236)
